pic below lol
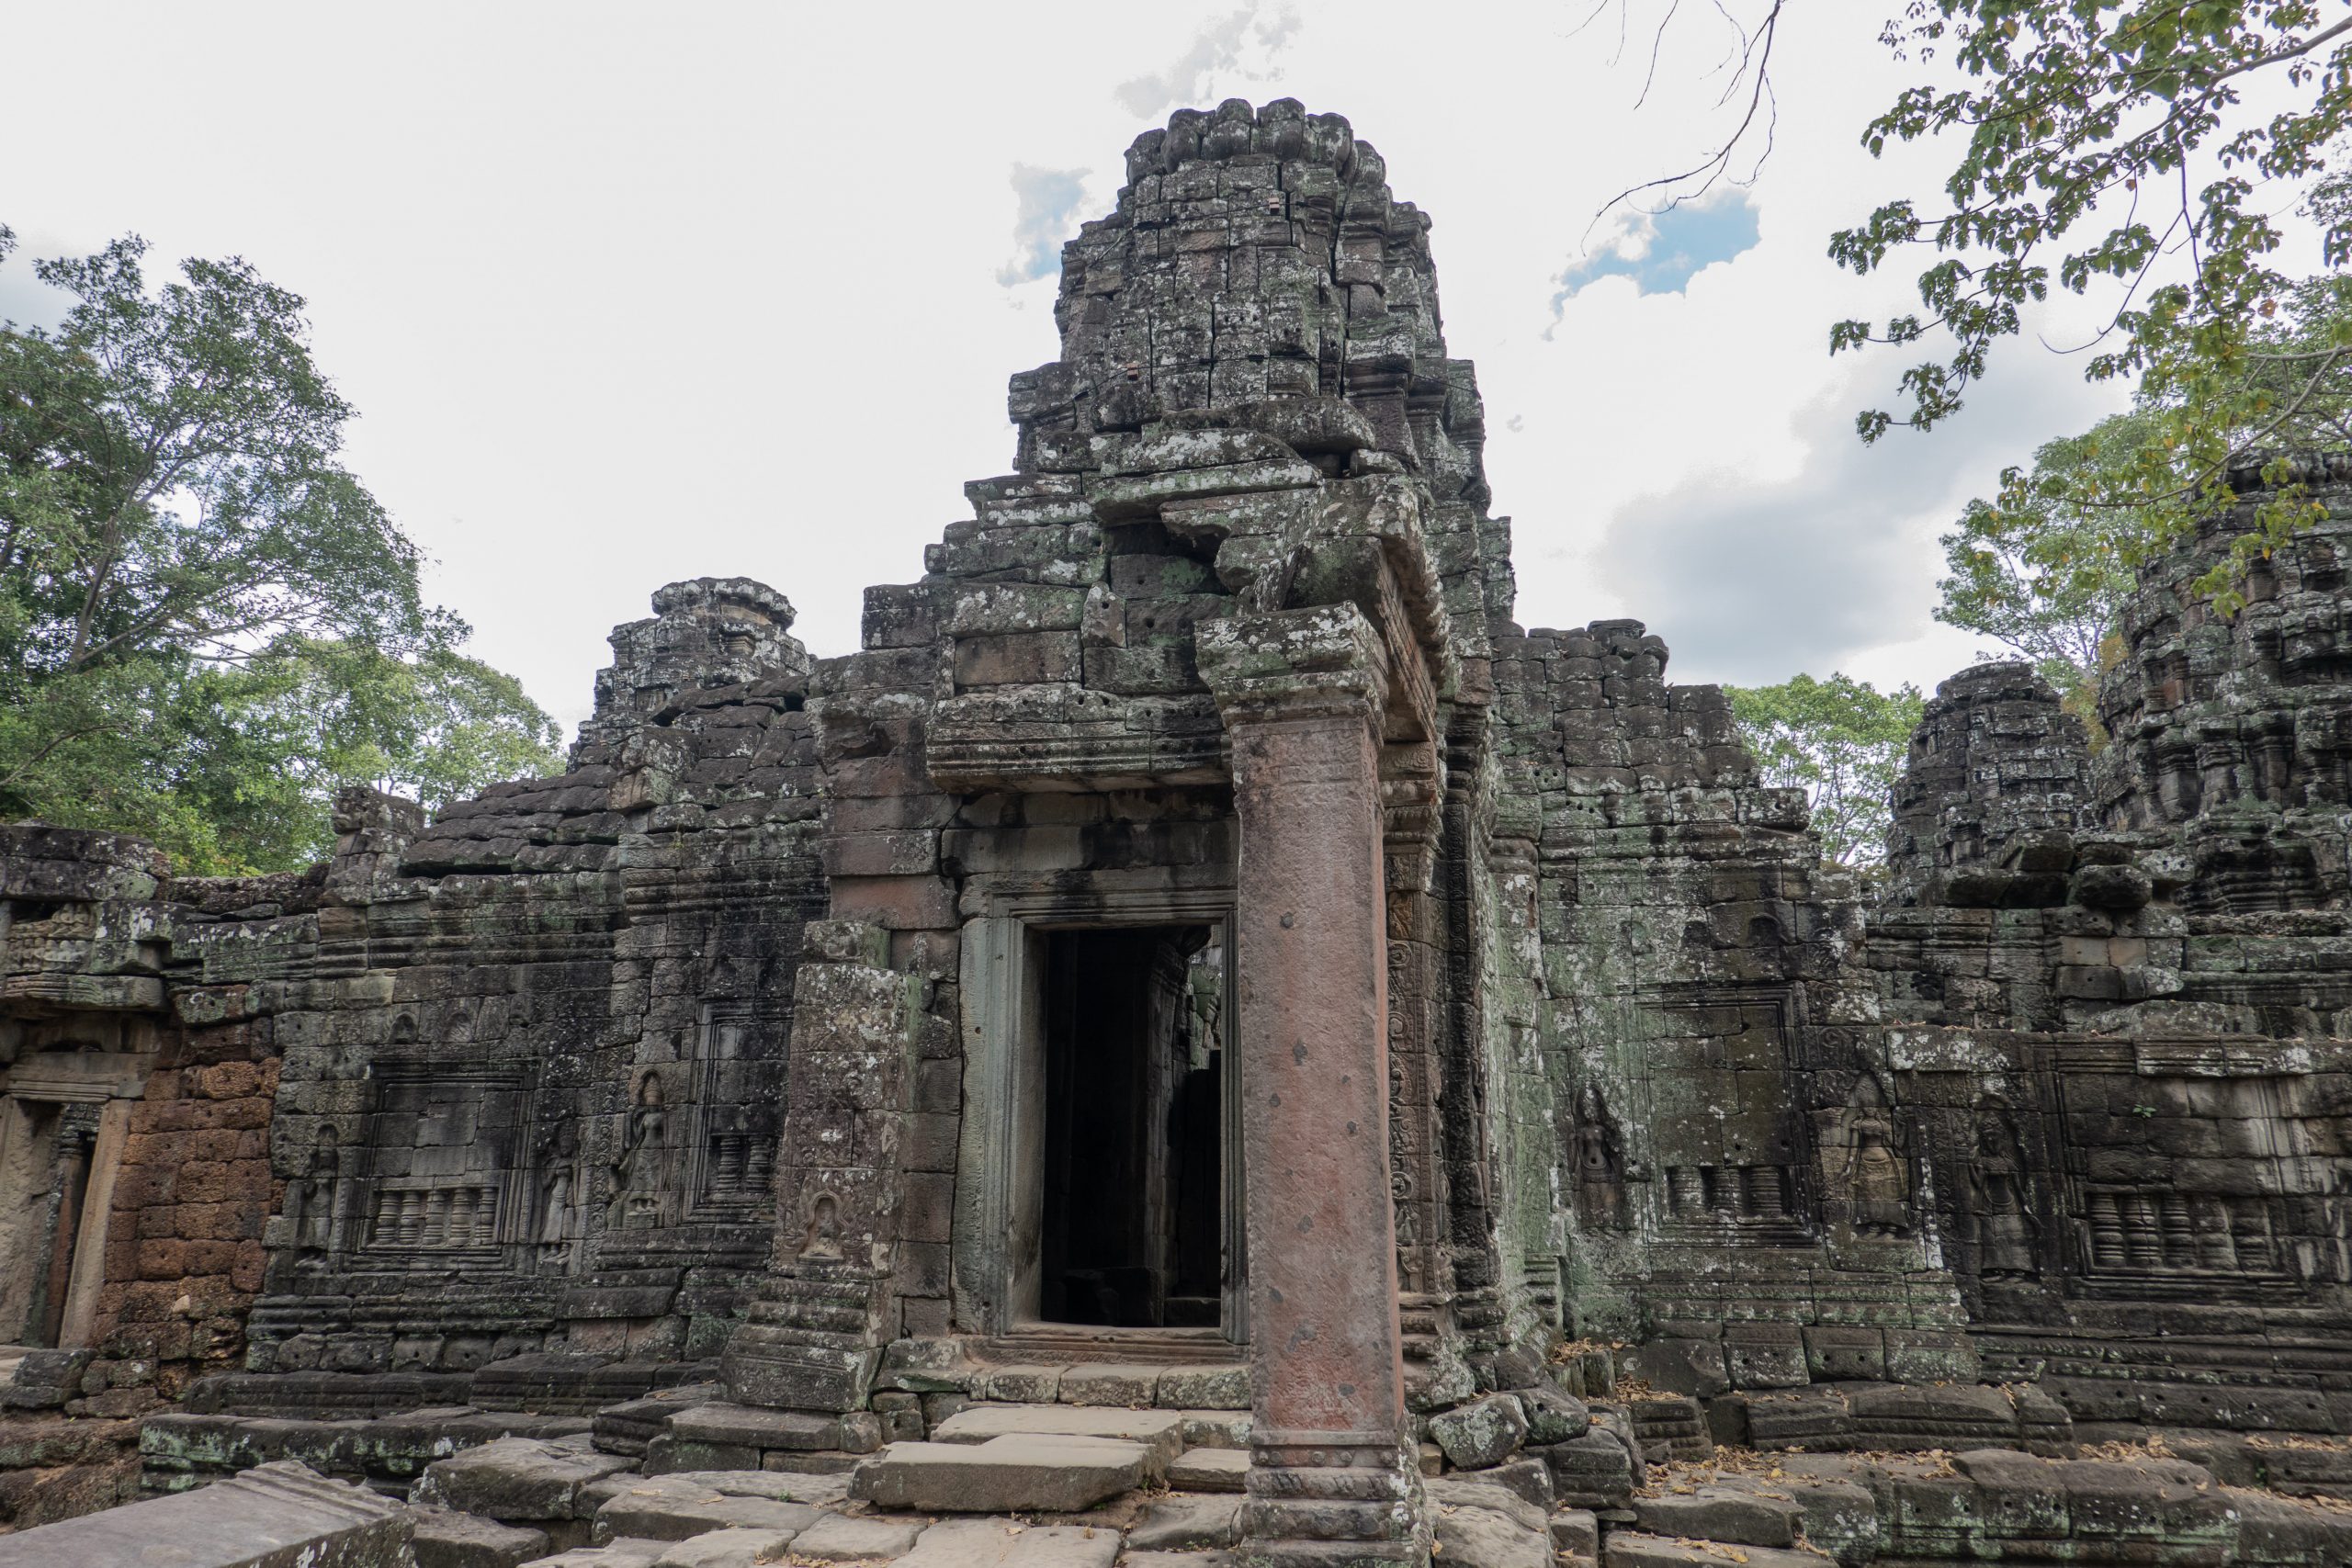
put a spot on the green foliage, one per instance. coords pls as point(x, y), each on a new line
point(2114, 144)
point(2047, 572)
point(206, 623)
point(1842, 742)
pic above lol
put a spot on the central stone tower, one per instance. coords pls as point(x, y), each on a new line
point(1210, 668)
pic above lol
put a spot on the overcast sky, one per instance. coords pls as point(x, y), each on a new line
point(629, 294)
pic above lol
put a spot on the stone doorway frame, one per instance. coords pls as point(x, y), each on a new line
point(113, 1081)
point(999, 1159)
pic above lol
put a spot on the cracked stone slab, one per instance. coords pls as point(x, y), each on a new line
point(1635, 1549)
point(1183, 1524)
point(446, 1539)
point(1720, 1513)
point(842, 1537)
point(275, 1515)
point(733, 1548)
point(1209, 1470)
point(627, 1552)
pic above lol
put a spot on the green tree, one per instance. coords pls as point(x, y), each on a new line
point(2048, 574)
point(1840, 740)
point(206, 623)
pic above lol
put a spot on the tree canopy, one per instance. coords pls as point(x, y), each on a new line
point(207, 624)
point(2047, 573)
point(1840, 740)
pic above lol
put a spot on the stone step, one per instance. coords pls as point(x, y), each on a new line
point(1470, 1535)
point(1719, 1513)
point(843, 1538)
point(1217, 1386)
point(1161, 1432)
point(1637, 1548)
point(691, 1503)
point(1209, 1470)
point(1015, 1472)
point(446, 1539)
point(728, 1548)
point(1186, 1523)
point(631, 1554)
point(996, 1543)
point(519, 1479)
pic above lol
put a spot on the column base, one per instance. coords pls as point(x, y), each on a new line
point(805, 1344)
point(1333, 1500)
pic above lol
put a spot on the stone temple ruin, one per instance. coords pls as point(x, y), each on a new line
point(1202, 998)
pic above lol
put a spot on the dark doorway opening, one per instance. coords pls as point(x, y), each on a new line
point(1133, 1217)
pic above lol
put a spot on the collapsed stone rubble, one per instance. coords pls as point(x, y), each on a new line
point(1204, 1038)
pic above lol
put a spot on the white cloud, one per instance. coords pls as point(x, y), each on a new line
point(1751, 580)
point(1048, 214)
point(1661, 251)
point(626, 300)
point(1246, 40)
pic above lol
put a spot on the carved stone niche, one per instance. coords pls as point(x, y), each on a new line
point(737, 1116)
point(2213, 1196)
point(1716, 1093)
point(69, 1082)
point(441, 1187)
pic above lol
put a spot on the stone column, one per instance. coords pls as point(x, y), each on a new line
point(1332, 1480)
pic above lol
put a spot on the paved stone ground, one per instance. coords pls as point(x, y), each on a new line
point(2112, 1504)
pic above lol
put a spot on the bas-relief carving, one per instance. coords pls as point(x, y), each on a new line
point(1875, 1175)
point(639, 1177)
point(2008, 1233)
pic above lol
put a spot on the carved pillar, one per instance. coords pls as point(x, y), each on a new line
point(813, 1339)
point(1332, 1480)
point(1409, 787)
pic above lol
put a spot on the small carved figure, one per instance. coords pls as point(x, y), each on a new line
point(822, 1242)
point(1599, 1157)
point(637, 1174)
point(1875, 1184)
point(2005, 1228)
point(557, 1217)
point(313, 1202)
point(1411, 1270)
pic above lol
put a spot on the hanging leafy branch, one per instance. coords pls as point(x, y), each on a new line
point(2144, 155)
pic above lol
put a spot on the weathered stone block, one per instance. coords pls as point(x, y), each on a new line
point(993, 1543)
point(1203, 1388)
point(1016, 1472)
point(1839, 1353)
point(516, 1479)
point(1483, 1433)
point(278, 1515)
point(1764, 1355)
point(446, 1540)
point(1681, 1366)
